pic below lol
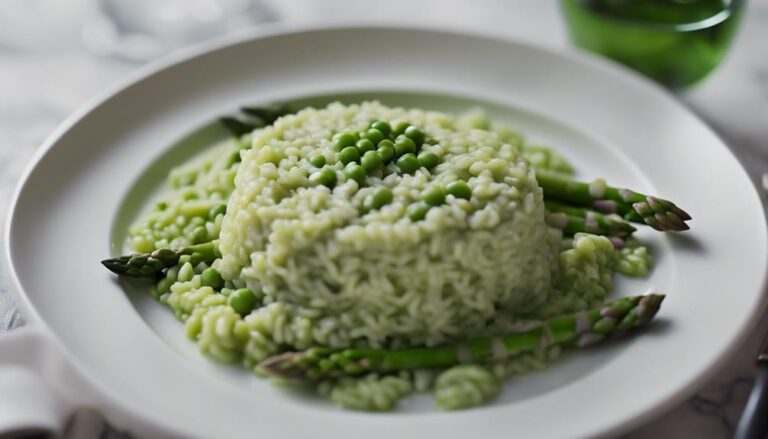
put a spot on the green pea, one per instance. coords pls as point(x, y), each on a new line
point(242, 301)
point(376, 200)
point(434, 196)
point(199, 235)
point(371, 161)
point(217, 210)
point(404, 145)
point(317, 161)
point(408, 163)
point(325, 176)
point(365, 145)
point(349, 154)
point(400, 128)
point(336, 136)
point(353, 171)
point(374, 136)
point(415, 134)
point(459, 189)
point(418, 211)
point(210, 277)
point(382, 126)
point(428, 160)
point(345, 139)
point(386, 151)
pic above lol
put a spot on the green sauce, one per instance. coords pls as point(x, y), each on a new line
point(675, 42)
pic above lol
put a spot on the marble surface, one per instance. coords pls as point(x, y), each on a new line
point(46, 76)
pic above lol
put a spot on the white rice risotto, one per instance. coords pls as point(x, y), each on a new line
point(323, 268)
point(379, 275)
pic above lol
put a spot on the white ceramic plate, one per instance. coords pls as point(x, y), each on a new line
point(129, 358)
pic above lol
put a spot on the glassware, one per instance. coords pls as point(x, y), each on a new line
point(675, 42)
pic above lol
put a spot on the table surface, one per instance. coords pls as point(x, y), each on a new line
point(45, 78)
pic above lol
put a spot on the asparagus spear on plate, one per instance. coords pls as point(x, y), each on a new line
point(574, 220)
point(633, 206)
point(578, 329)
point(250, 118)
point(152, 264)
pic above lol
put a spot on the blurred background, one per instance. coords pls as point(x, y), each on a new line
point(56, 55)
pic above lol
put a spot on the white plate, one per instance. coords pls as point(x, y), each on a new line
point(136, 366)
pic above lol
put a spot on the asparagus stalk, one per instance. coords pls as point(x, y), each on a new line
point(572, 225)
point(578, 329)
point(251, 118)
point(632, 206)
point(576, 219)
point(152, 264)
point(609, 221)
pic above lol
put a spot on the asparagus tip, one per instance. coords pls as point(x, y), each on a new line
point(681, 213)
point(114, 265)
point(617, 242)
point(649, 305)
point(662, 215)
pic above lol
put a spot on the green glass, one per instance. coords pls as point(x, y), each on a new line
point(675, 42)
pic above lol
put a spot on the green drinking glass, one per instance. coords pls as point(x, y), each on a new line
point(675, 42)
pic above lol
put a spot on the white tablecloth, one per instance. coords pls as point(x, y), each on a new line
point(46, 73)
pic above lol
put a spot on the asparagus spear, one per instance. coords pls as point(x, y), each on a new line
point(152, 264)
point(632, 206)
point(591, 217)
point(587, 222)
point(578, 329)
point(250, 118)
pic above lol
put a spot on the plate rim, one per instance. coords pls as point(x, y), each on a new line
point(297, 28)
